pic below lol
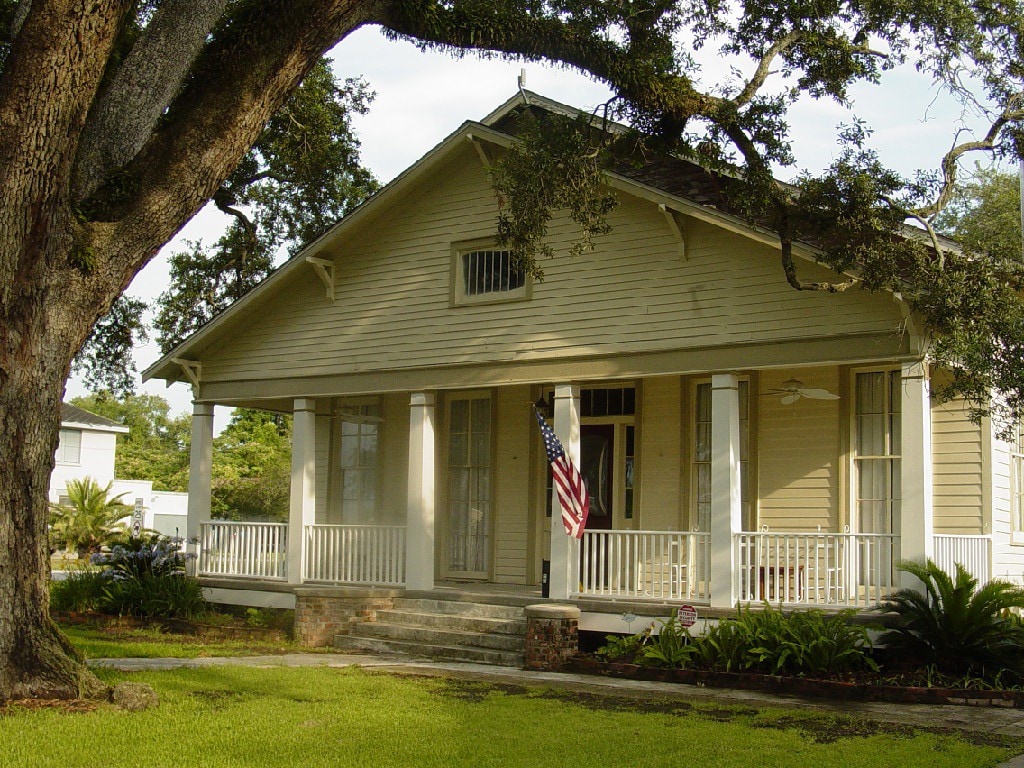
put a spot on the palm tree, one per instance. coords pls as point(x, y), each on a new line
point(89, 518)
point(957, 626)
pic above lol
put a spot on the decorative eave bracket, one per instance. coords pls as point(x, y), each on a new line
point(910, 324)
point(325, 271)
point(677, 230)
point(192, 369)
point(478, 145)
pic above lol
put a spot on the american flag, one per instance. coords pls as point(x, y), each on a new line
point(572, 493)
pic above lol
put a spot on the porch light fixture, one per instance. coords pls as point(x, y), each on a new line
point(544, 408)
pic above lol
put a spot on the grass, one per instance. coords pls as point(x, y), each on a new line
point(111, 642)
point(328, 717)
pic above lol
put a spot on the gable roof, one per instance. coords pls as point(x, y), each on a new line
point(74, 417)
point(680, 185)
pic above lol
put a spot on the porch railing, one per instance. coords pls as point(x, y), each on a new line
point(355, 554)
point(668, 565)
point(972, 552)
point(249, 550)
point(840, 569)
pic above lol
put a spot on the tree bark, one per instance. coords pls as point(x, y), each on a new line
point(62, 266)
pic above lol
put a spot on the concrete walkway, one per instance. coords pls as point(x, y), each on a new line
point(992, 720)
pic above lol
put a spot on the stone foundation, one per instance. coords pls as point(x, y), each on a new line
point(320, 614)
point(552, 636)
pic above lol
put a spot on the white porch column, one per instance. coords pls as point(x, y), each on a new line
point(726, 517)
point(419, 530)
point(200, 478)
point(302, 499)
point(565, 550)
point(915, 512)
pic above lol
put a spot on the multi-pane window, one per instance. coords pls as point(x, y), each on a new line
point(490, 273)
point(469, 485)
point(357, 462)
point(1017, 484)
point(702, 455)
point(69, 447)
point(877, 451)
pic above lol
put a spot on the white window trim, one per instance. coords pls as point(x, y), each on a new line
point(458, 295)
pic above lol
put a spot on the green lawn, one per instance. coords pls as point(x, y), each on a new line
point(99, 642)
point(234, 716)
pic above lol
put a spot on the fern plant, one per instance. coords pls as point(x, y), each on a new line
point(956, 626)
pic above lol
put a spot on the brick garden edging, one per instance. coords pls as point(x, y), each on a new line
point(830, 689)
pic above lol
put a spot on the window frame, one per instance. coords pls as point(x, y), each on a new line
point(60, 454)
point(459, 297)
point(488, 550)
point(894, 457)
point(1016, 456)
point(338, 471)
point(748, 465)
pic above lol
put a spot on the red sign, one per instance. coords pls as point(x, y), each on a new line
point(687, 615)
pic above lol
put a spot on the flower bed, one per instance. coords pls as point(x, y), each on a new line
point(799, 686)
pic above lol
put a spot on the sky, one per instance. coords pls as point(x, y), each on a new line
point(423, 97)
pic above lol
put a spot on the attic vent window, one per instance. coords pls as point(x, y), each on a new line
point(490, 272)
point(488, 275)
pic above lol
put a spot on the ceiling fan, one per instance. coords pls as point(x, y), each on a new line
point(793, 389)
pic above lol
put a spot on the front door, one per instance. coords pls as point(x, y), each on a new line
point(597, 451)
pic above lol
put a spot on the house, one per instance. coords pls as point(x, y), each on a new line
point(741, 441)
point(87, 447)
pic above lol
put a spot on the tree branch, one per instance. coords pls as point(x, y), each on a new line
point(125, 114)
point(760, 75)
point(1013, 112)
point(46, 87)
point(241, 78)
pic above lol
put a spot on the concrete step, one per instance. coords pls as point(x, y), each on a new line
point(458, 608)
point(501, 626)
point(435, 636)
point(412, 648)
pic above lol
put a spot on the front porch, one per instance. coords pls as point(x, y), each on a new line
point(460, 492)
point(811, 569)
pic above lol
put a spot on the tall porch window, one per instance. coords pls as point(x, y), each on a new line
point(877, 451)
point(358, 442)
point(1017, 485)
point(469, 486)
point(701, 461)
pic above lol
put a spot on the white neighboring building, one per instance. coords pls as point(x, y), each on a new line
point(87, 447)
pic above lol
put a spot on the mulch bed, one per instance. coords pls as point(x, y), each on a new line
point(800, 686)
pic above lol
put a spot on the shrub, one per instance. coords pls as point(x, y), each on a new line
point(171, 596)
point(147, 579)
point(768, 641)
point(79, 591)
point(957, 627)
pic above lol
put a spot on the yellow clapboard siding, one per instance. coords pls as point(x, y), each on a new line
point(392, 304)
point(957, 470)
